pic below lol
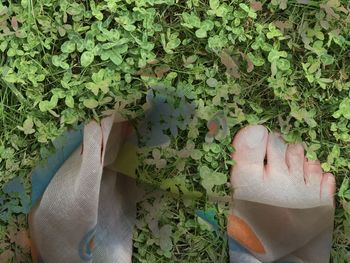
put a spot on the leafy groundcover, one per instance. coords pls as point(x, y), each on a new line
point(214, 66)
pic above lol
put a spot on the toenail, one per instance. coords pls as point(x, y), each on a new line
point(255, 136)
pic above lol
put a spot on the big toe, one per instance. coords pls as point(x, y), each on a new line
point(250, 145)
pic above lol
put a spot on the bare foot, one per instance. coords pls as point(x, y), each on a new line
point(283, 203)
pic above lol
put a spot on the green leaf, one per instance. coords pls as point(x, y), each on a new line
point(211, 178)
point(27, 127)
point(96, 10)
point(90, 103)
point(86, 58)
point(344, 190)
point(247, 9)
point(173, 43)
point(93, 87)
point(201, 33)
point(89, 44)
point(211, 82)
point(244, 7)
point(257, 60)
point(314, 67)
point(115, 56)
point(69, 101)
point(214, 4)
point(207, 25)
point(191, 20)
point(70, 116)
point(275, 55)
point(196, 154)
point(217, 42)
point(46, 105)
point(274, 32)
point(68, 47)
point(344, 108)
point(58, 61)
point(283, 64)
point(215, 148)
point(165, 238)
point(327, 59)
point(129, 28)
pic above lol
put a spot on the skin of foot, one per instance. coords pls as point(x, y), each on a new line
point(283, 204)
